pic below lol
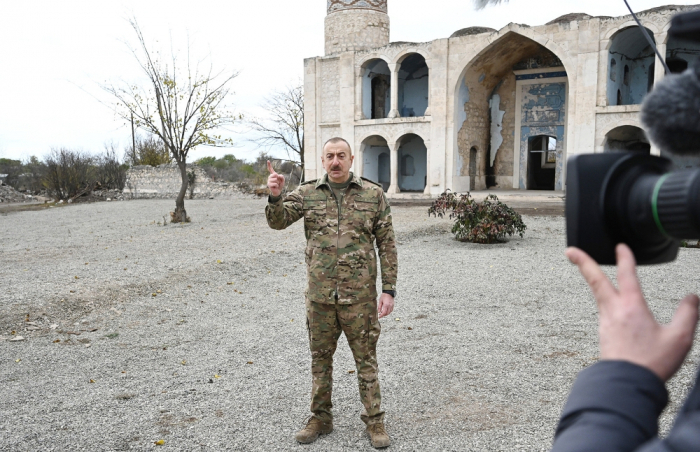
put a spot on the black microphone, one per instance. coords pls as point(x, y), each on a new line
point(671, 113)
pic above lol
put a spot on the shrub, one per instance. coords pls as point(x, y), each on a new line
point(150, 151)
point(479, 222)
point(25, 175)
point(110, 171)
point(68, 172)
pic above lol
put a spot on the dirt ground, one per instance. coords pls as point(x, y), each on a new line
point(135, 332)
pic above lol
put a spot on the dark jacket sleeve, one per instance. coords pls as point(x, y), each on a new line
point(685, 434)
point(613, 406)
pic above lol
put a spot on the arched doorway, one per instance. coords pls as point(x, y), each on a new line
point(542, 159)
point(376, 89)
point(512, 91)
point(376, 161)
point(631, 67)
point(413, 164)
point(414, 83)
point(626, 139)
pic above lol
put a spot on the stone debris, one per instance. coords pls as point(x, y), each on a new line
point(9, 194)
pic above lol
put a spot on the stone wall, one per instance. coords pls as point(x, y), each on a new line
point(330, 89)
point(164, 181)
point(465, 72)
point(356, 29)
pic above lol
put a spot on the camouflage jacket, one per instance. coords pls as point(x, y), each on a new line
point(340, 255)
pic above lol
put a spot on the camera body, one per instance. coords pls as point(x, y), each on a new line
point(635, 198)
point(601, 210)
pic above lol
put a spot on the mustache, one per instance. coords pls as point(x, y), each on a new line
point(335, 168)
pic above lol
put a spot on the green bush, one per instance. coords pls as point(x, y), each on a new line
point(479, 222)
point(150, 151)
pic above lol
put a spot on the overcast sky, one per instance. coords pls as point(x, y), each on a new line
point(54, 54)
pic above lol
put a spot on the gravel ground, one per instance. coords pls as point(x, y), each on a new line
point(136, 332)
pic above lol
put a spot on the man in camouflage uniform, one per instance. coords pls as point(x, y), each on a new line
point(343, 216)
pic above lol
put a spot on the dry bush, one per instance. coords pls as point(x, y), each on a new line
point(68, 172)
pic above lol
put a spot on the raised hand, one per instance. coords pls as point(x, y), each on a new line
point(628, 330)
point(275, 182)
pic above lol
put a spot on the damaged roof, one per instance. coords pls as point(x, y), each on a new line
point(471, 31)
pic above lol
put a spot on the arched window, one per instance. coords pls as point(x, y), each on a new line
point(631, 59)
point(414, 84)
point(627, 139)
point(413, 161)
point(679, 52)
point(376, 163)
point(376, 89)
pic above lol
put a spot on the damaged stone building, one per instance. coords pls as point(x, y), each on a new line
point(482, 108)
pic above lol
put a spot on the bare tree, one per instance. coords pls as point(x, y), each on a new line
point(182, 108)
point(481, 4)
point(283, 126)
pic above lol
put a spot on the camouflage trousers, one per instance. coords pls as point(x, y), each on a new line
point(361, 326)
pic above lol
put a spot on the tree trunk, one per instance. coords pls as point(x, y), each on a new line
point(180, 215)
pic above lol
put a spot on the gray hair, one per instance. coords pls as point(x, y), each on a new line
point(335, 140)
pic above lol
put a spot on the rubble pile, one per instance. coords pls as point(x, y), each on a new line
point(9, 194)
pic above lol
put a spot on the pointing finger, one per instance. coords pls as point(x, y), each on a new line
point(627, 280)
point(600, 285)
point(269, 168)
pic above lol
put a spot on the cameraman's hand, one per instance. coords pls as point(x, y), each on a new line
point(628, 330)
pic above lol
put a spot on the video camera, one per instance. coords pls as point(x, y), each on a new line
point(638, 200)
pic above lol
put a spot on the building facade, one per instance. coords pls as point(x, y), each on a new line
point(482, 108)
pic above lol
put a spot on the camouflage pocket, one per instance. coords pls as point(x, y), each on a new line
point(367, 204)
point(314, 213)
point(365, 212)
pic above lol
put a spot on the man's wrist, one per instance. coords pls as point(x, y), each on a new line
point(390, 292)
point(273, 199)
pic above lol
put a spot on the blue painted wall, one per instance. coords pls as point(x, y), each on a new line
point(543, 112)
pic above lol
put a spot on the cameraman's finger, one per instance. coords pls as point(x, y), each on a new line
point(269, 168)
point(685, 320)
point(627, 280)
point(600, 285)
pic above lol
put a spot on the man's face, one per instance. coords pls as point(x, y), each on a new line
point(337, 161)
